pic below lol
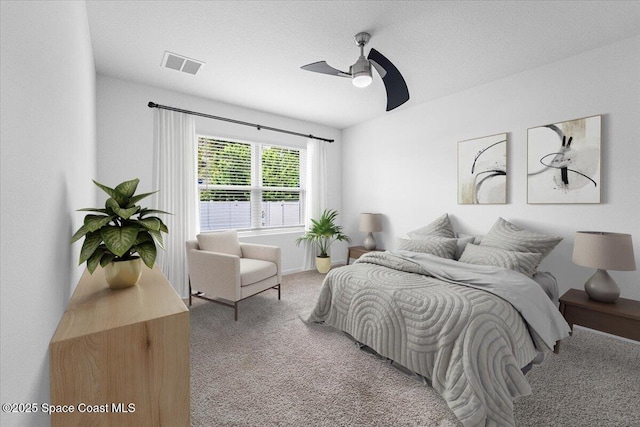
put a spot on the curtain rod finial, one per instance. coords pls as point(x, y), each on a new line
point(152, 104)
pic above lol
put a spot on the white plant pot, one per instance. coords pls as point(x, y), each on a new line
point(323, 265)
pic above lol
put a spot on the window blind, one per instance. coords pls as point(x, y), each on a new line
point(245, 186)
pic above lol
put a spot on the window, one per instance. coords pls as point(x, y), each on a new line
point(248, 186)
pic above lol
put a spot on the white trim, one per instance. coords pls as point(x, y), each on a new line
point(264, 231)
point(607, 334)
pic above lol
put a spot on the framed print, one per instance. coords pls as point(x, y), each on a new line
point(482, 170)
point(563, 162)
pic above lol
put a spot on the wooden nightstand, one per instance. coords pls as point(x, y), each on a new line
point(620, 318)
point(356, 252)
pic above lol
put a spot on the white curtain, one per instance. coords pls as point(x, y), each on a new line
point(316, 187)
point(175, 176)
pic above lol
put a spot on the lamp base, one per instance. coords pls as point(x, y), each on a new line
point(370, 242)
point(601, 287)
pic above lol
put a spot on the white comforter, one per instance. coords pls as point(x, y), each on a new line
point(470, 340)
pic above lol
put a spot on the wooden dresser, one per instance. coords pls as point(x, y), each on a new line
point(121, 358)
point(620, 318)
point(356, 252)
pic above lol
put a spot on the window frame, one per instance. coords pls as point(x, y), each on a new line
point(256, 188)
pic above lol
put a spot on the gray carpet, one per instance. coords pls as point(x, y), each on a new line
point(271, 369)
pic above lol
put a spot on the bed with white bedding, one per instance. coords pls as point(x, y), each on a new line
point(469, 329)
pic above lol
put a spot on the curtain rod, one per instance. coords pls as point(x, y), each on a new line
point(238, 122)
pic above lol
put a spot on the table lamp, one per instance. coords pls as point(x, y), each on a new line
point(370, 223)
point(603, 251)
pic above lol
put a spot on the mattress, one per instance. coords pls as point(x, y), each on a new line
point(467, 339)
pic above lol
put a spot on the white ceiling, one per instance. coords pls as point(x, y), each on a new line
point(253, 50)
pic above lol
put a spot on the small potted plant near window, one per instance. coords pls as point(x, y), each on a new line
point(323, 233)
point(121, 234)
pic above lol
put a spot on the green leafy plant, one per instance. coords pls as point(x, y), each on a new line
point(121, 230)
point(324, 232)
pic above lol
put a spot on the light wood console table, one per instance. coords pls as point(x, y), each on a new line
point(121, 358)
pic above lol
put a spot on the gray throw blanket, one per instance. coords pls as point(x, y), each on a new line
point(470, 340)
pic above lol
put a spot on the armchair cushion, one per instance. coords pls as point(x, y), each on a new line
point(225, 242)
point(255, 270)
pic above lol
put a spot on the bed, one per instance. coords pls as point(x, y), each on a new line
point(470, 329)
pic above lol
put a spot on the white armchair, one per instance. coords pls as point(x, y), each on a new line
point(225, 271)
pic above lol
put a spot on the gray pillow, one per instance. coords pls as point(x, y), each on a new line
point(441, 226)
point(522, 262)
point(461, 242)
point(442, 247)
point(476, 238)
point(505, 235)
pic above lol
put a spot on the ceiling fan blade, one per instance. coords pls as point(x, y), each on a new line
point(324, 68)
point(397, 90)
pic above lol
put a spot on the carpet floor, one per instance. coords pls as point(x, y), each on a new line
point(271, 369)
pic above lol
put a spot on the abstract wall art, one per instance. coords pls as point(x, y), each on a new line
point(564, 162)
point(482, 170)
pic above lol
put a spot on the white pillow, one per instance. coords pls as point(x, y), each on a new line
point(225, 242)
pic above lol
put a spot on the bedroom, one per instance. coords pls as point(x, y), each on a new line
point(88, 116)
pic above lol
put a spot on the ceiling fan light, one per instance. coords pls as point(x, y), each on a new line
point(362, 80)
point(361, 72)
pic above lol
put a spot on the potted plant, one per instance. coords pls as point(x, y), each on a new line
point(323, 233)
point(121, 234)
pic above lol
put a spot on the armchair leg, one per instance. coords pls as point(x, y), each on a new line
point(227, 303)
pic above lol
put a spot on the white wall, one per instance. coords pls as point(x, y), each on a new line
point(404, 165)
point(48, 159)
point(126, 123)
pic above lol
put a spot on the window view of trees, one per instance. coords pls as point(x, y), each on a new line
point(224, 163)
point(229, 163)
point(280, 168)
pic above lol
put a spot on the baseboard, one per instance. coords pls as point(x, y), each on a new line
point(300, 270)
point(606, 334)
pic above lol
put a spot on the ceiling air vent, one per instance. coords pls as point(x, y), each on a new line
point(181, 63)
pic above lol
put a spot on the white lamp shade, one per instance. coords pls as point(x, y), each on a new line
point(370, 222)
point(604, 251)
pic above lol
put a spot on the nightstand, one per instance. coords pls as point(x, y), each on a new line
point(356, 252)
point(620, 318)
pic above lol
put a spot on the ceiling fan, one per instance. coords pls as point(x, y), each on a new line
point(360, 72)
